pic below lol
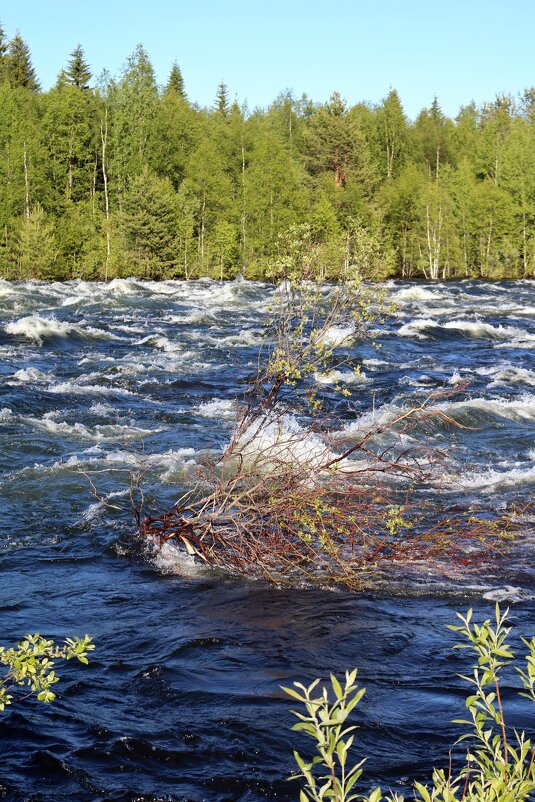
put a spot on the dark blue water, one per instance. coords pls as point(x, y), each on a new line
point(181, 700)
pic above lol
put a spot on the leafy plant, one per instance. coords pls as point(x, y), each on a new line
point(500, 762)
point(30, 665)
point(326, 775)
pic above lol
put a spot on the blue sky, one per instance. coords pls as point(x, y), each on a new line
point(460, 50)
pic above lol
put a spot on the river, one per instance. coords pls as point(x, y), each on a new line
point(181, 700)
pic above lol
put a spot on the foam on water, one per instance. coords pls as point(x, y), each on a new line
point(75, 388)
point(507, 374)
point(508, 594)
point(217, 408)
point(416, 293)
point(374, 363)
point(274, 440)
point(335, 336)
point(160, 342)
point(31, 376)
point(170, 558)
point(372, 420)
point(102, 432)
point(244, 339)
point(6, 414)
point(341, 377)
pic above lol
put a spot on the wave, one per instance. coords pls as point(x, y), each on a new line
point(74, 388)
point(508, 594)
point(98, 433)
point(504, 375)
point(372, 420)
point(498, 480)
point(6, 289)
point(416, 294)
point(245, 338)
point(170, 466)
point(375, 363)
point(519, 409)
point(421, 327)
point(38, 328)
point(161, 343)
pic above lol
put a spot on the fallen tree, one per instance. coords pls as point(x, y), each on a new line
point(295, 495)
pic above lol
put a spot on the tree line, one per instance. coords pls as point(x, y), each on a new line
point(113, 177)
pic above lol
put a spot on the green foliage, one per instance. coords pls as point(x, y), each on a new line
point(435, 198)
point(500, 765)
point(29, 667)
point(327, 775)
point(36, 246)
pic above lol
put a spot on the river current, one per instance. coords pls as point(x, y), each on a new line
point(181, 700)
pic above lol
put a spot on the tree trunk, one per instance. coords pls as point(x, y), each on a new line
point(104, 140)
point(26, 184)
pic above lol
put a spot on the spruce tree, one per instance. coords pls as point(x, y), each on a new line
point(149, 225)
point(221, 99)
point(19, 65)
point(78, 72)
point(176, 82)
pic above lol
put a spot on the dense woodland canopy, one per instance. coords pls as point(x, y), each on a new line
point(117, 177)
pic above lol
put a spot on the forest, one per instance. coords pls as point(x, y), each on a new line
point(106, 177)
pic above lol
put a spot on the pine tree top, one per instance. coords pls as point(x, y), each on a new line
point(221, 99)
point(19, 65)
point(78, 72)
point(175, 82)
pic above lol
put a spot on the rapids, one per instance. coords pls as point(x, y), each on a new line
point(182, 700)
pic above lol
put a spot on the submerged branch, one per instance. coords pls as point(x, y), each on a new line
point(288, 501)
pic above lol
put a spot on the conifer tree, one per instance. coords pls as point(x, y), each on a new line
point(176, 82)
point(221, 99)
point(20, 68)
point(78, 72)
point(149, 224)
point(329, 140)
